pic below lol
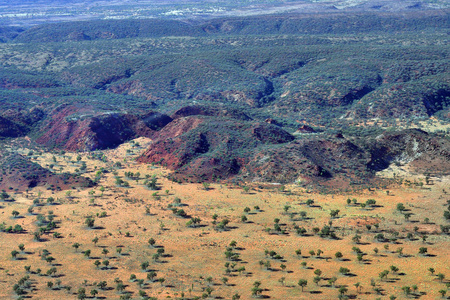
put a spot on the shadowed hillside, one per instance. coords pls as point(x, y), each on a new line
point(19, 173)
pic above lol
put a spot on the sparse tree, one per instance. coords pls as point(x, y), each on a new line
point(423, 250)
point(383, 274)
point(161, 280)
point(144, 265)
point(151, 275)
point(344, 270)
point(14, 254)
point(89, 221)
point(105, 263)
point(105, 251)
point(302, 283)
point(332, 281)
point(102, 285)
point(394, 269)
point(317, 279)
point(97, 263)
point(120, 287)
point(343, 290)
point(359, 257)
point(406, 290)
point(334, 213)
point(151, 242)
point(224, 280)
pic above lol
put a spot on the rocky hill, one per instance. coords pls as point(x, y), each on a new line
point(19, 173)
point(16, 123)
point(205, 148)
point(209, 148)
point(77, 128)
point(422, 152)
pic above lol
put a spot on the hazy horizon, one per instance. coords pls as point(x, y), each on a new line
point(29, 13)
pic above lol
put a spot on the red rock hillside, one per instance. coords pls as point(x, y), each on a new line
point(81, 128)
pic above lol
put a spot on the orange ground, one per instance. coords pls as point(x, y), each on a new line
point(197, 253)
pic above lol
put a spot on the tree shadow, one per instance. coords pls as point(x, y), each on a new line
point(20, 258)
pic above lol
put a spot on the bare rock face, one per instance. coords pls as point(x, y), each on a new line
point(199, 147)
point(202, 143)
point(423, 152)
point(79, 128)
point(202, 148)
point(206, 148)
point(20, 173)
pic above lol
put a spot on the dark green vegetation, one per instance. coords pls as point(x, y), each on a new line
point(289, 66)
point(94, 85)
point(18, 173)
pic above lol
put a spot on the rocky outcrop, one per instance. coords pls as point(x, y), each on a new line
point(206, 148)
point(423, 152)
point(81, 128)
point(310, 161)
